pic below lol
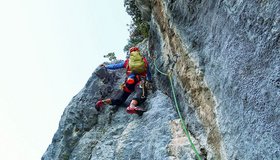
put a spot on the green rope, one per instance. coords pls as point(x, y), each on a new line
point(178, 111)
point(159, 70)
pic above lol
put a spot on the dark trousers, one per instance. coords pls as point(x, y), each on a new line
point(122, 95)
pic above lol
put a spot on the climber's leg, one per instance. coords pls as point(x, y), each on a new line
point(138, 99)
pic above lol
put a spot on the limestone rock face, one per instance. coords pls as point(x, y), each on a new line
point(223, 57)
point(145, 8)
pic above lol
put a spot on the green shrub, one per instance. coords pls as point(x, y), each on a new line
point(111, 56)
point(138, 29)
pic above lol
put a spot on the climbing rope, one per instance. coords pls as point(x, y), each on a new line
point(177, 108)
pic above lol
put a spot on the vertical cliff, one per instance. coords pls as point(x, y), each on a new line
point(224, 59)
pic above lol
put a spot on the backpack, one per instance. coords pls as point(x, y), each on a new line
point(137, 63)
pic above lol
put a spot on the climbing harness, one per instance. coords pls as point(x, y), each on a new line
point(177, 108)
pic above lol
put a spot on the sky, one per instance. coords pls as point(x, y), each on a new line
point(48, 51)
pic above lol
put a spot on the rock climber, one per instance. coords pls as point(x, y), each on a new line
point(138, 76)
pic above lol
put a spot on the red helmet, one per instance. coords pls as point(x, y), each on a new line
point(132, 49)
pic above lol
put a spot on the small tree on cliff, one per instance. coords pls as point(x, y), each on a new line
point(138, 29)
point(111, 56)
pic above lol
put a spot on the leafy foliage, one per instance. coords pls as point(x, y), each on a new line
point(138, 29)
point(133, 11)
point(111, 56)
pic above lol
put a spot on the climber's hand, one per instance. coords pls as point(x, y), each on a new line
point(103, 66)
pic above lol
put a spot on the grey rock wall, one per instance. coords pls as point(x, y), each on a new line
point(145, 8)
point(225, 56)
point(80, 116)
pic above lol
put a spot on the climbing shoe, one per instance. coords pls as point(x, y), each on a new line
point(135, 110)
point(100, 104)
